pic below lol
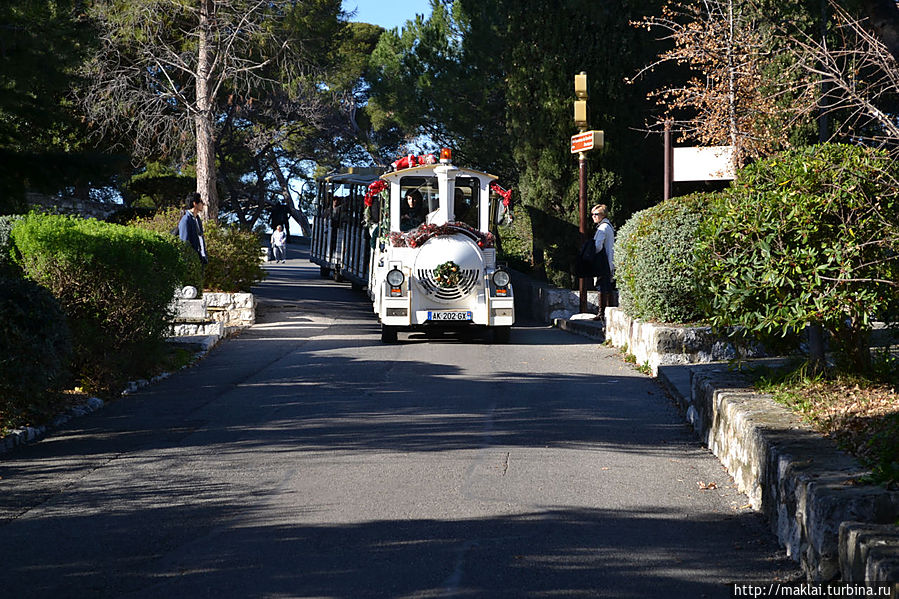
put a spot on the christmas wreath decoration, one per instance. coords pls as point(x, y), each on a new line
point(447, 275)
point(417, 237)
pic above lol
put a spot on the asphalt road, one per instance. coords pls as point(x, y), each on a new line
point(303, 458)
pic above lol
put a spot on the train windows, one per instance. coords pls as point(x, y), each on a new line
point(419, 196)
point(465, 200)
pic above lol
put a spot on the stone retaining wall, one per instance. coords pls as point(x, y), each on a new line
point(544, 303)
point(660, 344)
point(71, 205)
point(213, 313)
point(804, 485)
point(231, 309)
point(870, 552)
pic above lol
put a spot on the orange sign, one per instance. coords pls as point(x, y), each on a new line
point(583, 142)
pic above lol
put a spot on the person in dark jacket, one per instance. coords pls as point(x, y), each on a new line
point(190, 229)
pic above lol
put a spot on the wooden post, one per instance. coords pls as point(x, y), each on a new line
point(582, 217)
point(669, 161)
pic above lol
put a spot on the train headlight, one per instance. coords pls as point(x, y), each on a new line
point(501, 278)
point(395, 278)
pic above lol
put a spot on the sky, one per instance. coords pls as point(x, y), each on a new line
point(387, 13)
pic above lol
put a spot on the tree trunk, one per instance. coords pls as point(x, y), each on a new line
point(294, 211)
point(206, 177)
point(816, 348)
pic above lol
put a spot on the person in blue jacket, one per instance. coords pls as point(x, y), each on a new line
point(190, 229)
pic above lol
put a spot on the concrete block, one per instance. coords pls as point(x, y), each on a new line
point(189, 309)
point(244, 300)
point(869, 551)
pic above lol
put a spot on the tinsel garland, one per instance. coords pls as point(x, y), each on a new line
point(417, 237)
point(506, 194)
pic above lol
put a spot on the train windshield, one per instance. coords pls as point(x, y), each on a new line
point(418, 197)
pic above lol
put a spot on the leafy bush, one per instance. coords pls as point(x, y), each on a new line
point(235, 262)
point(808, 236)
point(654, 261)
point(35, 349)
point(115, 285)
point(162, 222)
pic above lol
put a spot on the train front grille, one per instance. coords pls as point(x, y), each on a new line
point(468, 279)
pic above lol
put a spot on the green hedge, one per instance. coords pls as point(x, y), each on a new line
point(162, 222)
point(115, 285)
point(235, 262)
point(810, 236)
point(655, 268)
point(35, 350)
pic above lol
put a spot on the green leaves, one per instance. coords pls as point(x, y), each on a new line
point(807, 236)
point(114, 284)
point(655, 265)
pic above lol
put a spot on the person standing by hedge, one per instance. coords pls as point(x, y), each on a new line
point(190, 229)
point(279, 244)
point(604, 267)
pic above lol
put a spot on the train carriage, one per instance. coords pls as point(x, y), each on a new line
point(431, 262)
point(340, 241)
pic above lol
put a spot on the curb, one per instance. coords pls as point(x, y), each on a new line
point(806, 488)
point(29, 434)
point(592, 329)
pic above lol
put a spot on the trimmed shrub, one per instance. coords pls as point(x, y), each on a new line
point(810, 236)
point(235, 262)
point(115, 285)
point(654, 261)
point(35, 349)
point(162, 222)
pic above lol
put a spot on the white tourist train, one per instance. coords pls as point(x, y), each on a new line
point(420, 239)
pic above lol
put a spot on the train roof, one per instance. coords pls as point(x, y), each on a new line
point(361, 175)
point(429, 168)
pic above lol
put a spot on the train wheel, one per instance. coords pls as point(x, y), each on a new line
point(388, 334)
point(501, 334)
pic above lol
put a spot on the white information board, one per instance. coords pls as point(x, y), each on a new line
point(713, 163)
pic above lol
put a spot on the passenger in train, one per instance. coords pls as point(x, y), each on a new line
point(462, 211)
point(412, 212)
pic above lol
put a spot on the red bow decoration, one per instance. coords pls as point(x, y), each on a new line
point(505, 193)
point(374, 188)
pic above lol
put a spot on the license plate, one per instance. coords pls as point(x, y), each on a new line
point(456, 316)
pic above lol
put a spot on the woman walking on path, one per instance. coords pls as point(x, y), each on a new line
point(279, 244)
